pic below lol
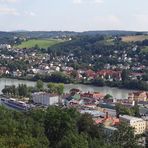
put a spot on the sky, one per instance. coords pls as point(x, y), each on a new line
point(73, 15)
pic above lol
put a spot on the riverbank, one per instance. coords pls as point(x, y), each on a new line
point(133, 85)
point(115, 92)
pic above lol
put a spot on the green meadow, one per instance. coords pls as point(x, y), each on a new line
point(42, 43)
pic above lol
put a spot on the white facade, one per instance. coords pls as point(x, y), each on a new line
point(3, 46)
point(45, 98)
point(137, 123)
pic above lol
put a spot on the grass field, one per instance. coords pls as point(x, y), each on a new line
point(134, 38)
point(42, 43)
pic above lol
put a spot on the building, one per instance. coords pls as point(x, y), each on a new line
point(94, 113)
point(45, 99)
point(95, 95)
point(138, 96)
point(145, 118)
point(107, 120)
point(90, 74)
point(137, 123)
point(3, 70)
point(5, 46)
point(109, 74)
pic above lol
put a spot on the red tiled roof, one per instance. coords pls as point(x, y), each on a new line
point(108, 72)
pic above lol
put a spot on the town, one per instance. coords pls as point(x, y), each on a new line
point(113, 63)
point(73, 74)
point(104, 109)
point(124, 68)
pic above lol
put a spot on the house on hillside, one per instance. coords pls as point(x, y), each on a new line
point(109, 75)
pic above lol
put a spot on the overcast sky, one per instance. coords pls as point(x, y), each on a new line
point(74, 15)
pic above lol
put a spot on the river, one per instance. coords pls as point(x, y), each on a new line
point(115, 92)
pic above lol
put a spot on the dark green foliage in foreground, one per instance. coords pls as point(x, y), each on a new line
point(18, 130)
point(124, 137)
point(56, 128)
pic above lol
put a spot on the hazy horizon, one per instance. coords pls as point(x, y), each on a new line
point(73, 15)
point(22, 30)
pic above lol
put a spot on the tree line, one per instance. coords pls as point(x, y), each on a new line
point(58, 128)
point(22, 90)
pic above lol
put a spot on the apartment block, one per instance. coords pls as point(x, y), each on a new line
point(137, 123)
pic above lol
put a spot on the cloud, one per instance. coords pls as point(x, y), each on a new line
point(98, 1)
point(77, 1)
point(27, 13)
point(141, 18)
point(109, 19)
point(9, 11)
point(108, 22)
point(15, 12)
point(88, 1)
point(140, 21)
point(9, 1)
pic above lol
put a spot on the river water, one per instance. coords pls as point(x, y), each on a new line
point(115, 92)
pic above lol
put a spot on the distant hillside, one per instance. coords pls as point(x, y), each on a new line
point(87, 45)
point(111, 32)
point(8, 37)
point(47, 34)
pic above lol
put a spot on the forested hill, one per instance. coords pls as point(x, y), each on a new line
point(47, 34)
point(88, 45)
point(62, 33)
point(8, 37)
point(112, 33)
point(37, 34)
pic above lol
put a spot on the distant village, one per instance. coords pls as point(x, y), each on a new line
point(44, 64)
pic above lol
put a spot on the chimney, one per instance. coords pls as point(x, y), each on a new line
point(133, 103)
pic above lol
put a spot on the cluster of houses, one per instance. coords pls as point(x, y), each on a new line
point(103, 110)
point(44, 63)
point(5, 46)
point(109, 75)
point(90, 102)
point(99, 106)
point(43, 69)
